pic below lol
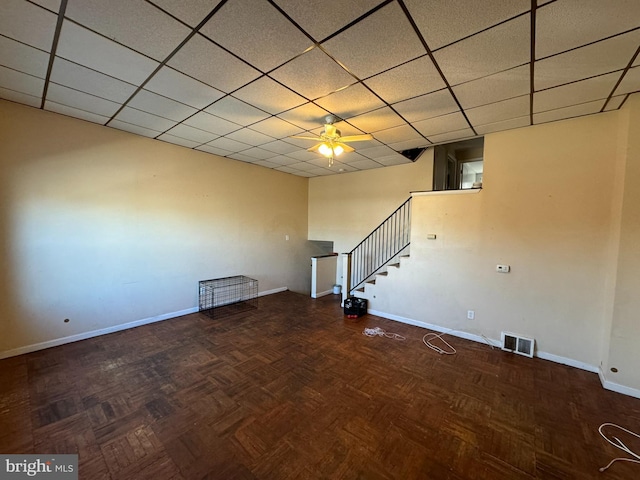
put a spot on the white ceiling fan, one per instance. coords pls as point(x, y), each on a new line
point(330, 142)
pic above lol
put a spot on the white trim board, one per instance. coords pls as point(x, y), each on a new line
point(616, 387)
point(115, 328)
point(322, 294)
point(480, 339)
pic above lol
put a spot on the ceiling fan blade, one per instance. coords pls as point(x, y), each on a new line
point(345, 147)
point(315, 147)
point(356, 138)
point(302, 137)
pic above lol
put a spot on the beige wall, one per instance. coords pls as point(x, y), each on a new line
point(623, 336)
point(346, 208)
point(547, 209)
point(104, 227)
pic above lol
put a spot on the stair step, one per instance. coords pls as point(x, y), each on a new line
point(405, 256)
point(361, 289)
point(372, 282)
point(397, 265)
point(384, 274)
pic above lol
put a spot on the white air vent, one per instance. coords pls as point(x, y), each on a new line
point(517, 344)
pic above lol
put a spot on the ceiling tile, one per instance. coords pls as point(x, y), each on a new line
point(318, 171)
point(76, 113)
point(411, 79)
point(269, 96)
point(401, 133)
point(237, 111)
point(91, 50)
point(395, 159)
point(143, 119)
point(282, 160)
point(401, 146)
point(442, 23)
point(568, 112)
point(165, 137)
point(258, 153)
point(427, 106)
point(242, 157)
point(134, 23)
point(614, 103)
point(276, 127)
point(19, 97)
point(191, 133)
point(365, 164)
point(53, 5)
point(503, 125)
point(574, 93)
point(27, 23)
point(83, 101)
point(307, 116)
point(358, 48)
point(503, 85)
point(216, 151)
point(320, 26)
point(280, 147)
point(494, 50)
point(246, 135)
point(568, 24)
point(86, 80)
point(158, 105)
point(313, 75)
point(184, 89)
point(23, 58)
point(210, 123)
point(442, 124)
point(266, 164)
point(452, 136)
point(380, 119)
point(302, 166)
point(375, 152)
point(496, 112)
point(228, 144)
point(630, 82)
point(595, 59)
point(201, 59)
point(303, 155)
point(350, 101)
point(21, 82)
point(257, 33)
point(138, 130)
point(192, 12)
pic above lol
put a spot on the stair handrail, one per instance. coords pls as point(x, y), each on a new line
point(381, 253)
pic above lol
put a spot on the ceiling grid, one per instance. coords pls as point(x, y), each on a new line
point(239, 78)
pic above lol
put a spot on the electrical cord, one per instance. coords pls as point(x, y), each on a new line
point(441, 351)
point(377, 331)
point(619, 444)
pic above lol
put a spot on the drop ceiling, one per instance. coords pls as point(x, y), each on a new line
point(238, 78)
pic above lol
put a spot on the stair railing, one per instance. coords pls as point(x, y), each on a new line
point(384, 243)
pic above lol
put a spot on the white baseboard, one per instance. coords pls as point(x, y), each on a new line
point(105, 331)
point(616, 387)
point(479, 338)
point(322, 294)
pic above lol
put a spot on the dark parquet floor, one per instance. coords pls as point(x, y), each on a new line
point(293, 390)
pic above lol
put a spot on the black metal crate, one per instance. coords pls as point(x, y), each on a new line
point(228, 295)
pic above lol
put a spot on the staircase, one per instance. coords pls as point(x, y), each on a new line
point(380, 250)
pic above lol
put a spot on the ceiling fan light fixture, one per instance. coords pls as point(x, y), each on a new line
point(325, 150)
point(337, 150)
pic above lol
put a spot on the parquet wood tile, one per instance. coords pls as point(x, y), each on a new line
point(293, 390)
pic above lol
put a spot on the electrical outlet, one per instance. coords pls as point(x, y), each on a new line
point(471, 314)
point(503, 268)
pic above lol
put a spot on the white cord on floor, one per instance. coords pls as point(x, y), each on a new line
point(377, 331)
point(618, 444)
point(441, 351)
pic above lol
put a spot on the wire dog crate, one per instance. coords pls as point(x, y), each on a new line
point(228, 295)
